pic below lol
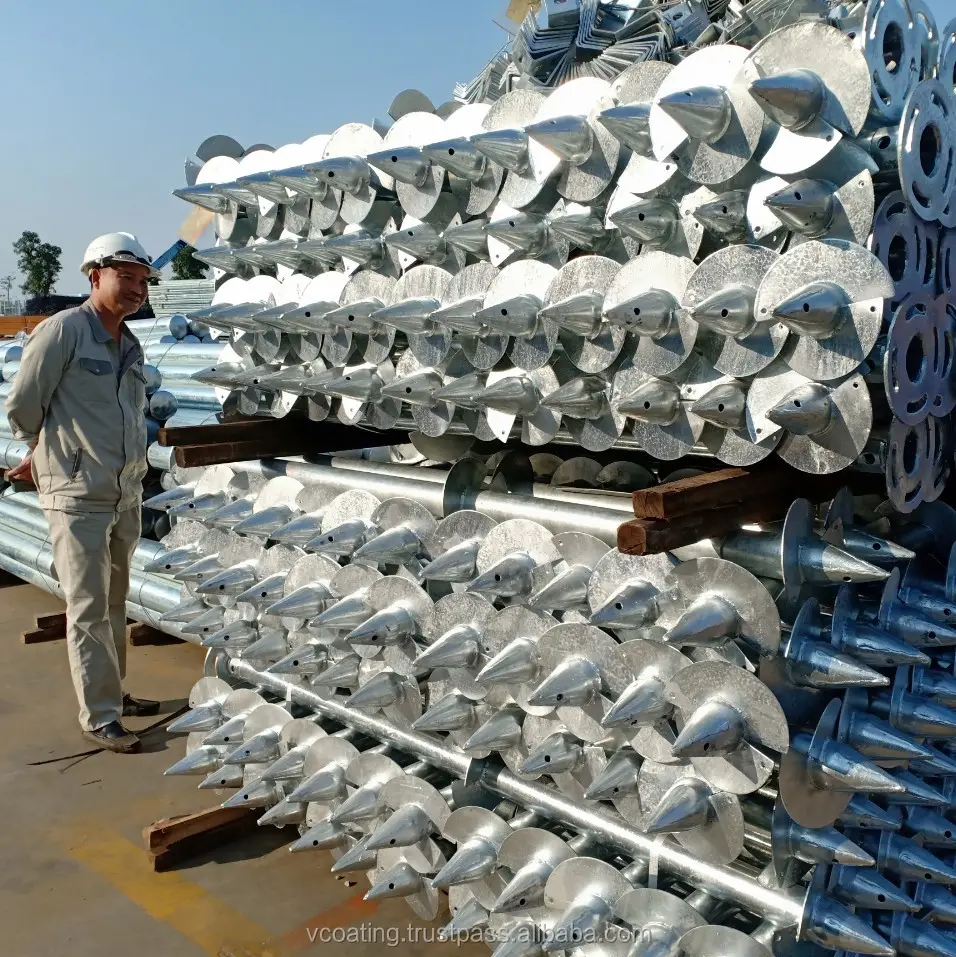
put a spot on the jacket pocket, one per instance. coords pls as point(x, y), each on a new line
point(77, 457)
point(96, 366)
point(97, 380)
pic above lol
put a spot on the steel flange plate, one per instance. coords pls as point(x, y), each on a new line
point(662, 272)
point(927, 150)
point(357, 139)
point(746, 266)
point(910, 457)
point(517, 621)
point(842, 68)
point(944, 401)
point(913, 360)
point(416, 130)
point(585, 97)
point(515, 110)
point(643, 659)
point(721, 839)
point(892, 50)
point(865, 284)
point(589, 353)
point(831, 450)
point(909, 248)
point(719, 66)
point(747, 768)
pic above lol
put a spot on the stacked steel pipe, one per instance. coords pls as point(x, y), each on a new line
point(741, 253)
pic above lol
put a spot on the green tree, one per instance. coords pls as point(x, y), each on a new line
point(39, 262)
point(186, 267)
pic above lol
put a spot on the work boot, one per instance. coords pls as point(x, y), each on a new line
point(139, 707)
point(114, 737)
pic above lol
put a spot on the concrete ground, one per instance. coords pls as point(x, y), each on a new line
point(76, 878)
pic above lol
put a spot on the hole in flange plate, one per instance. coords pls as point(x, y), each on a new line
point(892, 47)
point(915, 359)
point(930, 147)
point(910, 452)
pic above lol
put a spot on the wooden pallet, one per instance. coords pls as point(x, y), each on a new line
point(717, 503)
point(174, 839)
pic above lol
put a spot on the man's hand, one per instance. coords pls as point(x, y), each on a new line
point(23, 472)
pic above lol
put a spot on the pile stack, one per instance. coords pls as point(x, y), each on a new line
point(781, 700)
point(744, 254)
point(176, 296)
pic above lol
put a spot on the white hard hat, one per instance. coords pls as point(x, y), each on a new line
point(116, 247)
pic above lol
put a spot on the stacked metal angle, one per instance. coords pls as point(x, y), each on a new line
point(739, 251)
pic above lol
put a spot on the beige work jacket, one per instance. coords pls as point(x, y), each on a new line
point(80, 396)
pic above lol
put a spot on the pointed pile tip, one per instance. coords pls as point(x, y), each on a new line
point(574, 683)
point(474, 860)
point(403, 828)
point(791, 98)
point(831, 925)
point(703, 112)
point(712, 729)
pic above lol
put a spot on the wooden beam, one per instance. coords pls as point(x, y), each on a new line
point(737, 486)
point(333, 438)
point(243, 430)
point(172, 840)
point(48, 628)
point(139, 634)
point(648, 536)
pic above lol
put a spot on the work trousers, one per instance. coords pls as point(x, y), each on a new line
point(92, 552)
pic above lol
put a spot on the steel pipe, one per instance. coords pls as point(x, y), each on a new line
point(736, 884)
point(555, 515)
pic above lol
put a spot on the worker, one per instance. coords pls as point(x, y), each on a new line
point(78, 402)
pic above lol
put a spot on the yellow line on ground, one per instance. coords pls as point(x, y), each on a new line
point(200, 917)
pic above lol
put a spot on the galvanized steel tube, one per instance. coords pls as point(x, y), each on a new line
point(735, 884)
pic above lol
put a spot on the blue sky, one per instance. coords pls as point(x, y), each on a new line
point(105, 99)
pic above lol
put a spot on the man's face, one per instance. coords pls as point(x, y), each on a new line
point(122, 287)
